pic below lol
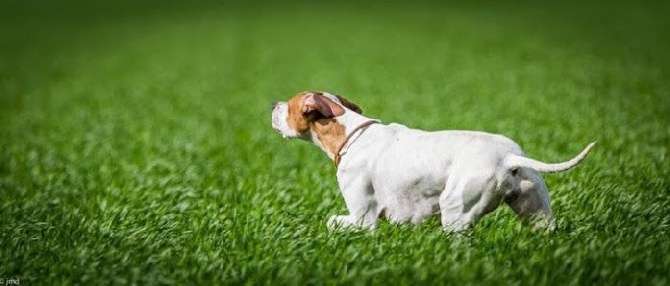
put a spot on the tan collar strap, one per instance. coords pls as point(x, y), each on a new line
point(338, 157)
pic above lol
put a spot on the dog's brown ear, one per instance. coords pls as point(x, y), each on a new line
point(321, 105)
point(350, 105)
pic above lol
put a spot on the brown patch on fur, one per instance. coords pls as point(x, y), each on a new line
point(318, 106)
point(350, 105)
point(296, 120)
point(307, 107)
point(330, 133)
point(313, 110)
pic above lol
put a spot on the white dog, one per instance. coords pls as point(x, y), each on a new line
point(407, 175)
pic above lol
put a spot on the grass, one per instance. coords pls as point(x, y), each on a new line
point(136, 147)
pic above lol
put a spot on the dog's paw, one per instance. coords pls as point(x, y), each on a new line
point(337, 222)
point(543, 224)
point(346, 222)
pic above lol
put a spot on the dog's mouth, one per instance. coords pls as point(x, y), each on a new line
point(276, 125)
point(280, 121)
point(279, 131)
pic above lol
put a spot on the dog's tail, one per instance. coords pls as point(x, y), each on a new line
point(513, 162)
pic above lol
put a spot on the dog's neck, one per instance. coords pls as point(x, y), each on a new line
point(360, 128)
point(334, 135)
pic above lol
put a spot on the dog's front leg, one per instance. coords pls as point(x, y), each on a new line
point(359, 198)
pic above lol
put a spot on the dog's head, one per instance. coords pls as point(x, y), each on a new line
point(309, 113)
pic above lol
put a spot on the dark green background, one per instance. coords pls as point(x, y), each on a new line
point(136, 147)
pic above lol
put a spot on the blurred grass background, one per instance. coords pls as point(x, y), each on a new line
point(135, 144)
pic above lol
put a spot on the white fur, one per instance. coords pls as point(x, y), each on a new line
point(279, 123)
point(406, 175)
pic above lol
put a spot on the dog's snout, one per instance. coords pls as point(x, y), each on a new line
point(274, 104)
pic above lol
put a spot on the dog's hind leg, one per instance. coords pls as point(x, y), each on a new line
point(529, 198)
point(465, 200)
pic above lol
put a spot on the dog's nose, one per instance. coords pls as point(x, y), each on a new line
point(274, 104)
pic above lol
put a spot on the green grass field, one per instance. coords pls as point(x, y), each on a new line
point(136, 146)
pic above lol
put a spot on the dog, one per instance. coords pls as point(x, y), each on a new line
point(407, 175)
